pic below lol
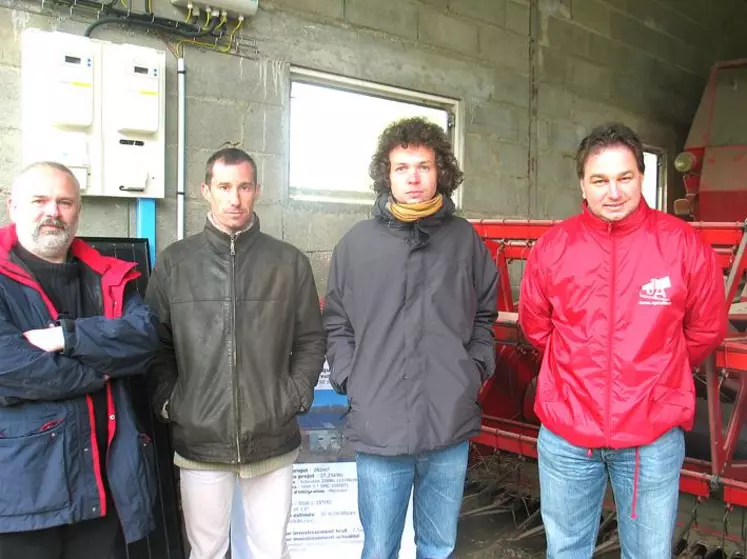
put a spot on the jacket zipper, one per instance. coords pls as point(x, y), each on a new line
point(613, 271)
point(233, 351)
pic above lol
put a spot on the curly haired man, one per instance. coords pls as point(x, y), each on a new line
point(409, 310)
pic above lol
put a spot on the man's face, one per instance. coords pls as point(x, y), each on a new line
point(413, 174)
point(45, 207)
point(612, 183)
point(231, 194)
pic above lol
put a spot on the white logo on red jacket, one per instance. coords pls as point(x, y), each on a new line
point(655, 292)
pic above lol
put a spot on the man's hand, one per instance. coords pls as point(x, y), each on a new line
point(47, 339)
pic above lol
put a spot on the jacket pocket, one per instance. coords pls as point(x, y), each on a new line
point(673, 396)
point(147, 456)
point(670, 407)
point(292, 399)
point(469, 368)
point(478, 374)
point(679, 400)
point(34, 476)
point(173, 405)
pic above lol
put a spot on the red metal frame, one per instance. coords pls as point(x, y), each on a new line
point(504, 396)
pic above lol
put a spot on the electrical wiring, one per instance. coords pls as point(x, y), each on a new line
point(220, 48)
point(150, 21)
point(180, 46)
point(238, 26)
point(110, 14)
point(212, 33)
point(234, 44)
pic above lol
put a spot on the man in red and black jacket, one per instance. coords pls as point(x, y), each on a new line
point(623, 301)
point(75, 470)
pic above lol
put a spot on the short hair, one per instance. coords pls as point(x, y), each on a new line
point(229, 156)
point(44, 165)
point(605, 136)
point(415, 131)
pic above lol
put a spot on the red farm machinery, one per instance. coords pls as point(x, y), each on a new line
point(714, 161)
point(714, 477)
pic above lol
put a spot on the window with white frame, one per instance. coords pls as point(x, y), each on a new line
point(335, 123)
point(654, 178)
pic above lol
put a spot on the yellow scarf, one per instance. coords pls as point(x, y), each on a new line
point(412, 212)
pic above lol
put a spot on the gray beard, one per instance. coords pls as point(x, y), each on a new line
point(47, 245)
point(52, 244)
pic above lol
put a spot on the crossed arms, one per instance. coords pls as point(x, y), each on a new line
point(52, 364)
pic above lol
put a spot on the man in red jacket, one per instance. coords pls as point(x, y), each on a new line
point(623, 301)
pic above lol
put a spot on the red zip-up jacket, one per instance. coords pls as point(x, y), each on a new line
point(622, 312)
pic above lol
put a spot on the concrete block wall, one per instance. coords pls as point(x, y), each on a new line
point(534, 77)
point(643, 62)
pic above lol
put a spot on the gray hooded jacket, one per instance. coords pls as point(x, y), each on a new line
point(409, 313)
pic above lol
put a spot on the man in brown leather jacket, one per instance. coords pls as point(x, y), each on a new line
point(243, 348)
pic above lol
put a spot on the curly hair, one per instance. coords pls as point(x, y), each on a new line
point(415, 131)
point(608, 135)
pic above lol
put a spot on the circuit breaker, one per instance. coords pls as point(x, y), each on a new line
point(97, 107)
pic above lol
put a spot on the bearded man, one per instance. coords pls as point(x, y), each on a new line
point(75, 471)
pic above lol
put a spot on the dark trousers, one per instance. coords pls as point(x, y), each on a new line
point(91, 539)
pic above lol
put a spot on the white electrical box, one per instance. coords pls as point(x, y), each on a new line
point(60, 101)
point(234, 8)
point(133, 120)
point(97, 107)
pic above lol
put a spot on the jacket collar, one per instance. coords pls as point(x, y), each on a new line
point(418, 232)
point(381, 213)
point(221, 241)
point(114, 269)
point(626, 225)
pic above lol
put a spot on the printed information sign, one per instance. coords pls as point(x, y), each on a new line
point(324, 519)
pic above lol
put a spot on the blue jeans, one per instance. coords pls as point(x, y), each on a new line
point(573, 484)
point(384, 487)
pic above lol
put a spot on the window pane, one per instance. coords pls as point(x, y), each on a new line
point(651, 179)
point(333, 134)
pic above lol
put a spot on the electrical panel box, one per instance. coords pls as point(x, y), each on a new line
point(97, 107)
point(133, 120)
point(60, 101)
point(233, 8)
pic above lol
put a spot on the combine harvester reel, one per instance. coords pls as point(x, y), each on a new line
point(713, 481)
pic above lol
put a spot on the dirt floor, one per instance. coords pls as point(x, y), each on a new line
point(501, 496)
point(498, 503)
point(487, 537)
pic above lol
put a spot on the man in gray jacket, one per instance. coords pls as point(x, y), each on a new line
point(243, 348)
point(409, 316)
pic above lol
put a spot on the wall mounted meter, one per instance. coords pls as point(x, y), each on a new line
point(97, 107)
point(60, 102)
point(133, 120)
